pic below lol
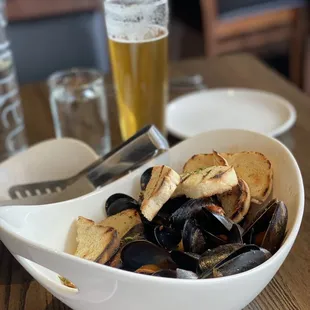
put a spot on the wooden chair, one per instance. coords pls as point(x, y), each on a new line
point(254, 25)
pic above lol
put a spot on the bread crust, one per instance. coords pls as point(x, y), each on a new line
point(163, 182)
point(252, 167)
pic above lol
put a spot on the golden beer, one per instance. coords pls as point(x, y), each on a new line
point(141, 80)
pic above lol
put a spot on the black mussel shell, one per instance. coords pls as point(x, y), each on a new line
point(232, 236)
point(212, 257)
point(239, 264)
point(139, 253)
point(167, 237)
point(171, 206)
point(267, 210)
point(188, 210)
point(235, 234)
point(275, 233)
point(217, 229)
point(120, 202)
point(176, 274)
point(269, 227)
point(185, 260)
point(135, 233)
point(242, 264)
point(166, 273)
point(149, 228)
point(214, 222)
point(145, 178)
point(193, 238)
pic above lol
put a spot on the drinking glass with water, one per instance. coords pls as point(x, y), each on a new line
point(79, 108)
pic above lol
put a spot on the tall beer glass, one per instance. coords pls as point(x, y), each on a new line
point(138, 42)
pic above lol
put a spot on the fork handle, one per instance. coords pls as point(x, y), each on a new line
point(134, 152)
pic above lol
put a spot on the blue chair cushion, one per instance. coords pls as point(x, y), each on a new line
point(43, 46)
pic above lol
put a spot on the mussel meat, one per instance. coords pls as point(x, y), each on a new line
point(120, 202)
point(148, 269)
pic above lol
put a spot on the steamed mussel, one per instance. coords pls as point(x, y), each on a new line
point(206, 245)
point(194, 239)
point(182, 236)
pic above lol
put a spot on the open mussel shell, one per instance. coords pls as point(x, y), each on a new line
point(212, 257)
point(176, 274)
point(167, 237)
point(235, 234)
point(214, 222)
point(193, 237)
point(217, 229)
point(240, 260)
point(269, 226)
point(139, 253)
point(135, 233)
point(184, 260)
point(189, 210)
point(120, 202)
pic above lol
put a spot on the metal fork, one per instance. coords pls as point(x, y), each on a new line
point(144, 145)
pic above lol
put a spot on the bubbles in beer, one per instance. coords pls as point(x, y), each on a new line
point(136, 21)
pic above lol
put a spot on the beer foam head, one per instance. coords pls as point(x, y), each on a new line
point(136, 20)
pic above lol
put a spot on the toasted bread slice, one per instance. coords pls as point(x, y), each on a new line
point(123, 221)
point(252, 167)
point(236, 203)
point(95, 242)
point(219, 160)
point(163, 182)
point(199, 161)
point(207, 182)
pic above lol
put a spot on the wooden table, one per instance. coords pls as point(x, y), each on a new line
point(290, 289)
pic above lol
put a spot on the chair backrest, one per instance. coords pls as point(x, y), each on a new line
point(238, 8)
point(43, 46)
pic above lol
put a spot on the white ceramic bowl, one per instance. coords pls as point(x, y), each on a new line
point(103, 287)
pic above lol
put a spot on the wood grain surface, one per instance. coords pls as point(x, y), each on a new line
point(290, 287)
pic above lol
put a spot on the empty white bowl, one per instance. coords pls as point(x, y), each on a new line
point(28, 230)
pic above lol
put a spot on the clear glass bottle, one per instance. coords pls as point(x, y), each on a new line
point(12, 128)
